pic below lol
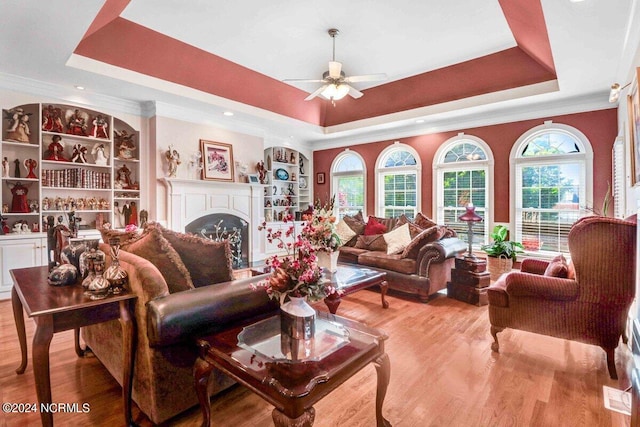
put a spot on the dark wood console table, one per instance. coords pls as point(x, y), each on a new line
point(57, 309)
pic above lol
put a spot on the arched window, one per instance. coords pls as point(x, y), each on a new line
point(463, 171)
point(552, 173)
point(348, 184)
point(398, 181)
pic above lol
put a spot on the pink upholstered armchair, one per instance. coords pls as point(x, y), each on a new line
point(590, 305)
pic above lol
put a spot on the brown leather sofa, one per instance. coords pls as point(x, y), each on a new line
point(422, 270)
point(168, 320)
point(587, 300)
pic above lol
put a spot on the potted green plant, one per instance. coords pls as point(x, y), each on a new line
point(501, 252)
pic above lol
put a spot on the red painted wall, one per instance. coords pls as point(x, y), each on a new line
point(600, 127)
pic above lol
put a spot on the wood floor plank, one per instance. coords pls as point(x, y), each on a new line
point(443, 373)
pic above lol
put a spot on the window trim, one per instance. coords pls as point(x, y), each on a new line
point(515, 160)
point(337, 159)
point(440, 167)
point(380, 169)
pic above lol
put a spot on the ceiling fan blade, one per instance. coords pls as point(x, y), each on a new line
point(354, 93)
point(304, 80)
point(366, 78)
point(335, 68)
point(316, 93)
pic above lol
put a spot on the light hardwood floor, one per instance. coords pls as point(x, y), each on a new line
point(443, 373)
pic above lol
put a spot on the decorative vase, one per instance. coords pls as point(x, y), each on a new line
point(72, 253)
point(297, 319)
point(116, 275)
point(328, 260)
point(498, 265)
point(99, 286)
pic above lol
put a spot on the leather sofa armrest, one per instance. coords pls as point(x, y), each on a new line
point(183, 315)
point(437, 252)
point(518, 284)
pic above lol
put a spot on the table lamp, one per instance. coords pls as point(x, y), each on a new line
point(470, 216)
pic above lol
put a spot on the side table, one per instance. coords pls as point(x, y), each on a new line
point(469, 281)
point(57, 309)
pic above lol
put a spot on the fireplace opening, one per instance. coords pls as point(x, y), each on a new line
point(222, 226)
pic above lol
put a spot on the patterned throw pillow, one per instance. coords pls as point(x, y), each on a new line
point(374, 227)
point(414, 229)
point(422, 221)
point(344, 232)
point(429, 235)
point(557, 267)
point(397, 239)
point(374, 242)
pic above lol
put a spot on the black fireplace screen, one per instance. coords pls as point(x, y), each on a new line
point(221, 226)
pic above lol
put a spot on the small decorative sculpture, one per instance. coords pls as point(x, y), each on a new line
point(124, 144)
point(123, 178)
point(5, 167)
point(99, 286)
point(55, 149)
point(79, 154)
point(100, 155)
point(301, 166)
point(76, 122)
point(17, 172)
point(99, 128)
point(31, 165)
point(18, 125)
point(262, 172)
point(19, 203)
point(115, 274)
point(173, 157)
point(62, 275)
point(144, 218)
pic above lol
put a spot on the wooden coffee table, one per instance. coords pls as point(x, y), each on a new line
point(292, 387)
point(61, 308)
point(351, 278)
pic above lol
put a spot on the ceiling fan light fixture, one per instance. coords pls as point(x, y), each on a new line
point(334, 92)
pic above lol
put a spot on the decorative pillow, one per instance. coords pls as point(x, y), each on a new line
point(374, 242)
point(158, 251)
point(344, 232)
point(374, 227)
point(390, 223)
point(357, 225)
point(125, 237)
point(208, 262)
point(429, 235)
point(447, 232)
point(422, 221)
point(397, 239)
point(557, 267)
point(414, 230)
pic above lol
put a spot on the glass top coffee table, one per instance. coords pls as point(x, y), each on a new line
point(254, 355)
point(351, 278)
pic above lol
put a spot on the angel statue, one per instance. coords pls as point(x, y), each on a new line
point(31, 165)
point(18, 125)
point(173, 157)
point(100, 154)
point(124, 144)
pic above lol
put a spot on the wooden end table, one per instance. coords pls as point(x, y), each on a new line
point(61, 308)
point(292, 387)
point(351, 278)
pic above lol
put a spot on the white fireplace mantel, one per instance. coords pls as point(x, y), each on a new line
point(189, 199)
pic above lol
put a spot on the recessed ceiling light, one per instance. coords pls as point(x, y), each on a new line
point(420, 121)
point(576, 1)
point(79, 87)
point(228, 113)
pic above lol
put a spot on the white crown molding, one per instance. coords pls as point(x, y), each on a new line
point(64, 94)
point(474, 117)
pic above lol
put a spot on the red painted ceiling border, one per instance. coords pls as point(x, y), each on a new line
point(122, 43)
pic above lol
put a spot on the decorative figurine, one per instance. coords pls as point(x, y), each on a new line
point(262, 172)
point(301, 166)
point(19, 202)
point(31, 165)
point(99, 154)
point(17, 172)
point(123, 178)
point(124, 144)
point(5, 167)
point(173, 157)
point(133, 217)
point(18, 125)
point(47, 118)
point(76, 122)
point(99, 128)
point(118, 220)
point(79, 154)
point(55, 149)
point(62, 275)
point(292, 158)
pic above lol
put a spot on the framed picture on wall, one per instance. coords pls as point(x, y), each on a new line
point(253, 178)
point(320, 178)
point(217, 159)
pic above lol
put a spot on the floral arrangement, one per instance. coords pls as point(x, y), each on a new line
point(320, 228)
point(297, 274)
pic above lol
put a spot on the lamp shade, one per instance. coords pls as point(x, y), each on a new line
point(335, 91)
point(470, 215)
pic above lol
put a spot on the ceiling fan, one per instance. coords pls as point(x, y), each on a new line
point(336, 84)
